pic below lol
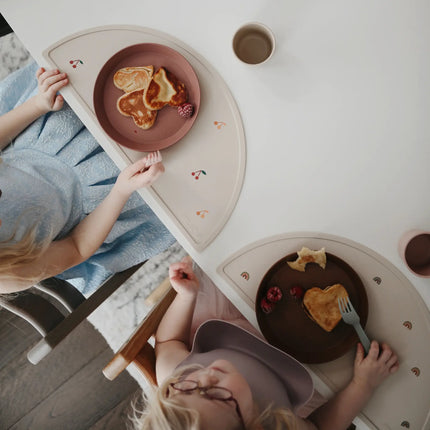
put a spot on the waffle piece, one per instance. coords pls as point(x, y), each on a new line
point(305, 256)
point(164, 89)
point(131, 104)
point(131, 79)
point(322, 307)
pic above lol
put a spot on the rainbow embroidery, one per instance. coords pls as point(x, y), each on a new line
point(245, 275)
point(408, 325)
point(378, 280)
point(416, 371)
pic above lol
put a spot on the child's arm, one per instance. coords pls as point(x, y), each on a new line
point(171, 339)
point(15, 121)
point(369, 372)
point(90, 233)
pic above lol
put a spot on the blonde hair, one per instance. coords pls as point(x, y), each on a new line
point(164, 413)
point(15, 255)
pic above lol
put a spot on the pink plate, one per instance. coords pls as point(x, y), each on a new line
point(169, 127)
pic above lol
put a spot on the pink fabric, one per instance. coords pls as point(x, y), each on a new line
point(212, 304)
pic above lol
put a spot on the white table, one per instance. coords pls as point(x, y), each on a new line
point(336, 123)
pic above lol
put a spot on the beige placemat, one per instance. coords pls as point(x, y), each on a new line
point(397, 315)
point(205, 169)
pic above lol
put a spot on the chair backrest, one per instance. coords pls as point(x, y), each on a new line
point(4, 27)
point(137, 349)
point(55, 308)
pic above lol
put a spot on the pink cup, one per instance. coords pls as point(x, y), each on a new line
point(414, 248)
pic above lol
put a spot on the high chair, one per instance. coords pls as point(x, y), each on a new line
point(55, 308)
point(137, 349)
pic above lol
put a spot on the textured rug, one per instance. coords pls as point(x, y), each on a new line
point(118, 316)
point(13, 55)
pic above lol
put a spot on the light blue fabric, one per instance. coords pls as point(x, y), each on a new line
point(56, 172)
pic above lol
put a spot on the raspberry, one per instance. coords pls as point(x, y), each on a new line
point(186, 110)
point(297, 292)
point(274, 294)
point(266, 306)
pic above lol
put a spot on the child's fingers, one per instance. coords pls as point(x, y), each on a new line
point(180, 268)
point(187, 260)
point(39, 72)
point(176, 266)
point(46, 74)
point(395, 367)
point(138, 165)
point(54, 80)
point(388, 357)
point(359, 355)
point(57, 86)
point(58, 102)
point(386, 353)
point(141, 165)
point(373, 350)
point(175, 271)
point(150, 175)
point(392, 363)
point(156, 170)
point(50, 78)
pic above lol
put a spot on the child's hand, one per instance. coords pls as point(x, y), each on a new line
point(138, 176)
point(49, 83)
point(183, 279)
point(371, 370)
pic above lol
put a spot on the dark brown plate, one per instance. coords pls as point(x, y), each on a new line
point(169, 127)
point(289, 328)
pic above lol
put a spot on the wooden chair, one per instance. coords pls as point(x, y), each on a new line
point(55, 308)
point(137, 349)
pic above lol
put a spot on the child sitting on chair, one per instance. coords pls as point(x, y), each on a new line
point(63, 208)
point(232, 379)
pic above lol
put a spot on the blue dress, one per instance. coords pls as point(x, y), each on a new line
point(54, 174)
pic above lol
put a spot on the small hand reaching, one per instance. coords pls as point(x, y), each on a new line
point(183, 279)
point(137, 176)
point(379, 363)
point(369, 372)
point(49, 83)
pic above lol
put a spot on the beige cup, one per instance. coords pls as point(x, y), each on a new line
point(254, 43)
point(414, 248)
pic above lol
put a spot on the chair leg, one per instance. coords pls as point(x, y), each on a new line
point(145, 362)
point(65, 327)
point(136, 346)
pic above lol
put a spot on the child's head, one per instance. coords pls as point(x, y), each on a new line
point(166, 410)
point(16, 254)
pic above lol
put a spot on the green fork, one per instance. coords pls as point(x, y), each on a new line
point(350, 316)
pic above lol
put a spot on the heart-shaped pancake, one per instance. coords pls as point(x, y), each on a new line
point(131, 104)
point(322, 307)
point(131, 79)
point(164, 89)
